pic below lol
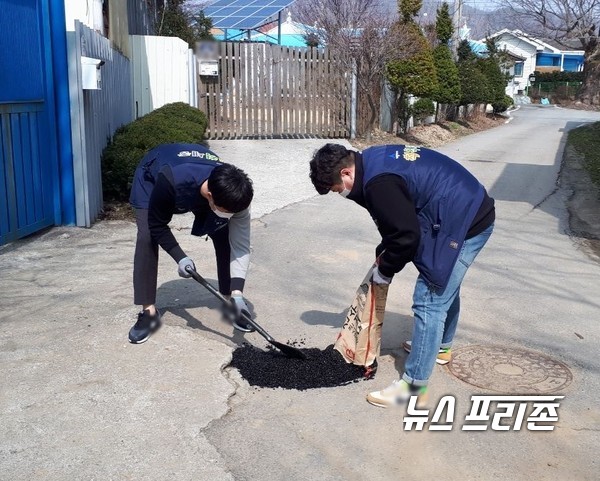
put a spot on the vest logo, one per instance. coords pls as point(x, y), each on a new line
point(454, 244)
point(409, 153)
point(200, 155)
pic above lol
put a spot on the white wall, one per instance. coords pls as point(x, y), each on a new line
point(163, 72)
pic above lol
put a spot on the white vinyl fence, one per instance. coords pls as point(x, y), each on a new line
point(164, 71)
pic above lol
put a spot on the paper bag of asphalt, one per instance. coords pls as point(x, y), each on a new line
point(360, 338)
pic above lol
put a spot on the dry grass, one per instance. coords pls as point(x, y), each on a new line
point(433, 135)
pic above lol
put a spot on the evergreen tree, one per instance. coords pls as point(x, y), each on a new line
point(414, 75)
point(443, 25)
point(202, 25)
point(495, 79)
point(448, 80)
point(464, 52)
point(409, 9)
point(473, 84)
point(174, 20)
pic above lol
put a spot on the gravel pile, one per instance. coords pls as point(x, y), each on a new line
point(321, 368)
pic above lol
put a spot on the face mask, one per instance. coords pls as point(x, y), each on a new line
point(222, 215)
point(345, 192)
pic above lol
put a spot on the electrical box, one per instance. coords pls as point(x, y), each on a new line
point(207, 53)
point(209, 67)
point(91, 78)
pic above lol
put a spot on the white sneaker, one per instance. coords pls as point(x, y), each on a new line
point(399, 392)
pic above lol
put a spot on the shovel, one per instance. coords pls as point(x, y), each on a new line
point(289, 351)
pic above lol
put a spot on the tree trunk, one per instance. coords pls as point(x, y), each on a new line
point(373, 117)
point(590, 90)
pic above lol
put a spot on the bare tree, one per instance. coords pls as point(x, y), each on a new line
point(563, 20)
point(362, 36)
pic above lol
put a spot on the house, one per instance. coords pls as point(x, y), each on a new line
point(531, 54)
point(292, 33)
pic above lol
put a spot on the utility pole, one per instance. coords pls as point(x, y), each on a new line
point(456, 21)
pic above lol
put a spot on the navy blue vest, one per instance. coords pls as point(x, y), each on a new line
point(446, 197)
point(190, 164)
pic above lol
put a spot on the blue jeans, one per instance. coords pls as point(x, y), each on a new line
point(436, 314)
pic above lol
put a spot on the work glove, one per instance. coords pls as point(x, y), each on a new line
point(183, 263)
point(379, 278)
point(239, 306)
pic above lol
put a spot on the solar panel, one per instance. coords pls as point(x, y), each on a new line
point(244, 14)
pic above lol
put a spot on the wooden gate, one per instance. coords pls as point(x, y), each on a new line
point(266, 90)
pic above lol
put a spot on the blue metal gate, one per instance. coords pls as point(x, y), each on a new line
point(29, 186)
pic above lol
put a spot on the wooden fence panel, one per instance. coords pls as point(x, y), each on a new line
point(266, 90)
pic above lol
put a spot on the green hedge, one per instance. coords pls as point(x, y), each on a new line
point(171, 123)
point(503, 105)
point(558, 76)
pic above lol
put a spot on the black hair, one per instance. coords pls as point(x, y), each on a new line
point(230, 187)
point(326, 164)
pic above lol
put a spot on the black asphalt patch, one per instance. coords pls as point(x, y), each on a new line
point(321, 368)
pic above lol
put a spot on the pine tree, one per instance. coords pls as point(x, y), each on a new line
point(443, 24)
point(174, 20)
point(495, 79)
point(202, 25)
point(414, 75)
point(448, 80)
point(464, 51)
point(473, 84)
point(409, 9)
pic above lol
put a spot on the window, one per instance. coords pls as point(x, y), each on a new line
point(519, 69)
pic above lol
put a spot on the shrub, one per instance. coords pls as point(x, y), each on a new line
point(171, 123)
point(503, 105)
point(423, 108)
point(558, 76)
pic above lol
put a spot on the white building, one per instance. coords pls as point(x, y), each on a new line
point(531, 54)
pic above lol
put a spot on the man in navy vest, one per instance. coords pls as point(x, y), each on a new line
point(179, 178)
point(429, 211)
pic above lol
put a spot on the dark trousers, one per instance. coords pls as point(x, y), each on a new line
point(145, 260)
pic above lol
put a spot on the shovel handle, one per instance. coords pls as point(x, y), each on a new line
point(223, 299)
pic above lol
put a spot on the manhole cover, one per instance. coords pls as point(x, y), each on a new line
point(509, 371)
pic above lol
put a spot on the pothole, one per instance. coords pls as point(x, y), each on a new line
point(509, 371)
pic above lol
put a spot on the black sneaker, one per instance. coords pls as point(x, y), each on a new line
point(145, 326)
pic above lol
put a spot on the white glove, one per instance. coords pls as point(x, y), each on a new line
point(379, 278)
point(183, 263)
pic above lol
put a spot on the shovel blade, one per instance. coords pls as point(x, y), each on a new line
point(289, 351)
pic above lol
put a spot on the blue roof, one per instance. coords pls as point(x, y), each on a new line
point(478, 48)
point(244, 14)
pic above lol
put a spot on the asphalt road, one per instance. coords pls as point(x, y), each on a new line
point(78, 402)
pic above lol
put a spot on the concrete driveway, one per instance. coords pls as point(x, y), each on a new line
point(78, 402)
